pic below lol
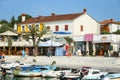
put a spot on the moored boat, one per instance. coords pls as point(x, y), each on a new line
point(93, 74)
point(114, 76)
point(31, 72)
point(56, 73)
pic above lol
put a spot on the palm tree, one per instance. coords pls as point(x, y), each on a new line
point(69, 40)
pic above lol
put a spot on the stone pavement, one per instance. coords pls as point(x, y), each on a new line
point(107, 63)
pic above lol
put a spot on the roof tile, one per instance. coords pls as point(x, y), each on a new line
point(52, 17)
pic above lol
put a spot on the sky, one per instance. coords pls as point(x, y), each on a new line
point(98, 9)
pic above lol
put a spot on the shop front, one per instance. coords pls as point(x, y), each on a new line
point(103, 45)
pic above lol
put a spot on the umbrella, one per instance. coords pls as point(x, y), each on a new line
point(62, 32)
point(49, 43)
point(9, 33)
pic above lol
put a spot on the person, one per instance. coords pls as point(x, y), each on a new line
point(23, 53)
point(2, 57)
point(48, 52)
point(83, 50)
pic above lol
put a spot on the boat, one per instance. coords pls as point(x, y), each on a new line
point(92, 74)
point(71, 78)
point(31, 72)
point(56, 73)
point(76, 73)
point(113, 76)
point(9, 65)
point(23, 68)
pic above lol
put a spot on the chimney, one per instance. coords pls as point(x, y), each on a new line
point(52, 14)
point(111, 19)
point(23, 17)
point(84, 10)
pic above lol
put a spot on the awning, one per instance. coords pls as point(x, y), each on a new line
point(107, 41)
point(49, 43)
point(62, 32)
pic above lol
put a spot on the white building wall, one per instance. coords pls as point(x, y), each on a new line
point(89, 25)
point(114, 27)
point(112, 38)
point(61, 25)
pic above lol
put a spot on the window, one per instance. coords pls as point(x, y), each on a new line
point(81, 28)
point(23, 28)
point(30, 27)
point(57, 28)
point(48, 27)
point(66, 27)
point(37, 27)
point(95, 72)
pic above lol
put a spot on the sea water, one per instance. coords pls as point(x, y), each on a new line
point(11, 77)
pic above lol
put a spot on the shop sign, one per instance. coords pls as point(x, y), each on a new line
point(104, 38)
point(88, 37)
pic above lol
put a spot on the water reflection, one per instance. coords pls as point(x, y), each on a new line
point(11, 77)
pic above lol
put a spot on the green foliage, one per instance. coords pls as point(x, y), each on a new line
point(105, 32)
point(20, 18)
point(4, 28)
point(36, 35)
point(68, 39)
point(116, 32)
point(12, 22)
point(3, 21)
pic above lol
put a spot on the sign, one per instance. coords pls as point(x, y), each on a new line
point(104, 38)
point(88, 37)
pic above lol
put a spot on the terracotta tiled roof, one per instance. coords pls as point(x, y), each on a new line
point(53, 17)
point(109, 22)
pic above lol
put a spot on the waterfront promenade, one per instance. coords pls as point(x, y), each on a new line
point(107, 63)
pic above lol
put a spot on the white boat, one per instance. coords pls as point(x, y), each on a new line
point(76, 72)
point(71, 78)
point(93, 74)
point(9, 65)
point(56, 73)
point(114, 76)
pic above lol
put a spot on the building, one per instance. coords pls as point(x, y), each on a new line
point(79, 24)
point(109, 26)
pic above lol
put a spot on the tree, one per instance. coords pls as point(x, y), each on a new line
point(3, 21)
point(9, 44)
point(105, 32)
point(116, 32)
point(20, 17)
point(36, 37)
point(4, 28)
point(12, 22)
point(69, 40)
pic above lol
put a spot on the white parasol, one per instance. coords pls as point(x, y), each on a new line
point(9, 33)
